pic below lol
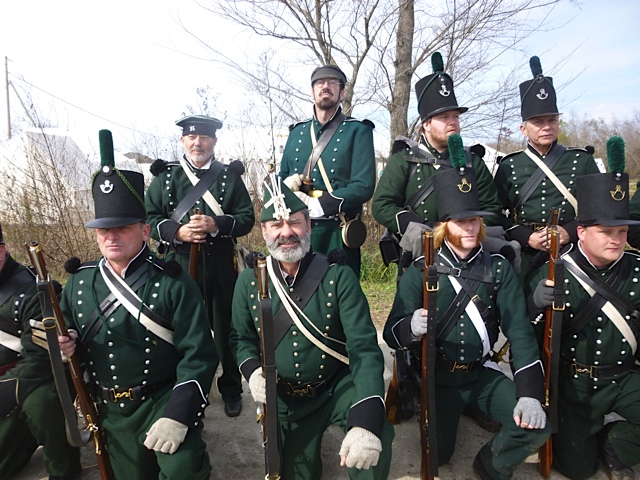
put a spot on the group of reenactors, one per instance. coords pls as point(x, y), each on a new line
point(151, 327)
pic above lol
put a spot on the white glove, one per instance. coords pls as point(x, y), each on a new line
point(360, 448)
point(529, 413)
point(165, 435)
point(294, 182)
point(258, 386)
point(313, 204)
point(419, 323)
point(412, 239)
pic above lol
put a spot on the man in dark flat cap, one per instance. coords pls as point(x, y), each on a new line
point(199, 181)
point(329, 163)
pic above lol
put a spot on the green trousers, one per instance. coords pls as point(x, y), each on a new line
point(495, 395)
point(581, 411)
point(38, 421)
point(303, 423)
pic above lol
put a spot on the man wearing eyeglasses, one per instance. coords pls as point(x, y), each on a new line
point(329, 163)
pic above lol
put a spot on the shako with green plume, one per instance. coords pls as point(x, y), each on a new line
point(603, 198)
point(118, 195)
point(537, 96)
point(435, 92)
point(456, 188)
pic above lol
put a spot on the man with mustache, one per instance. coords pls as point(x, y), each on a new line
point(30, 411)
point(139, 326)
point(542, 176)
point(478, 293)
point(330, 367)
point(199, 181)
point(329, 162)
point(599, 360)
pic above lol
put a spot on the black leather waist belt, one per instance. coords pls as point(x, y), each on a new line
point(308, 390)
point(534, 225)
point(133, 393)
point(443, 363)
point(596, 371)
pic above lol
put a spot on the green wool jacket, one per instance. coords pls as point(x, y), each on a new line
point(398, 184)
point(348, 159)
point(463, 343)
point(124, 354)
point(514, 171)
point(21, 318)
point(338, 310)
point(170, 186)
point(599, 342)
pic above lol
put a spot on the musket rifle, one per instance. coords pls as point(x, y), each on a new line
point(268, 412)
point(194, 253)
point(551, 345)
point(427, 417)
point(54, 325)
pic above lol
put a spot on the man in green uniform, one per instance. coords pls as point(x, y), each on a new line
point(329, 162)
point(199, 181)
point(30, 412)
point(532, 182)
point(478, 292)
point(599, 361)
point(140, 326)
point(403, 200)
point(330, 367)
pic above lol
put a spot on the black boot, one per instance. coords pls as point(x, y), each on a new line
point(613, 466)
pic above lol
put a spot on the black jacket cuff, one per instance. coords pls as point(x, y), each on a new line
point(168, 230)
point(520, 234)
point(530, 382)
point(249, 366)
point(368, 414)
point(330, 204)
point(405, 218)
point(225, 224)
point(187, 404)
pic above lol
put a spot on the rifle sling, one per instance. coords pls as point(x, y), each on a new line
point(301, 295)
point(17, 281)
point(555, 341)
point(197, 191)
point(110, 303)
point(75, 437)
point(325, 138)
point(605, 292)
point(536, 178)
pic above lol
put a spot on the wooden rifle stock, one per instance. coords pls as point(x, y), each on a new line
point(87, 406)
point(551, 347)
point(194, 253)
point(427, 417)
point(393, 401)
point(268, 413)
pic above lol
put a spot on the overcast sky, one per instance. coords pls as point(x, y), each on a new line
point(121, 64)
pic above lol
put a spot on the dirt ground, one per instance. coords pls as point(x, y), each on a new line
point(235, 452)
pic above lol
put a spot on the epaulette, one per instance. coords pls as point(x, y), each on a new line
point(478, 150)
point(158, 167)
point(169, 267)
point(401, 142)
point(337, 255)
point(294, 125)
point(74, 265)
point(236, 167)
point(588, 149)
point(365, 121)
point(509, 155)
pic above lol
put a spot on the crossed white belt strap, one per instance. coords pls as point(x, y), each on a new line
point(207, 196)
point(556, 181)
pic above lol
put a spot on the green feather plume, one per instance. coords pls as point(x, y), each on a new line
point(106, 148)
point(436, 63)
point(615, 155)
point(536, 67)
point(456, 151)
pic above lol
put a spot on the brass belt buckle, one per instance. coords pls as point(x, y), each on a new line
point(301, 391)
point(315, 193)
point(115, 396)
point(460, 366)
point(577, 370)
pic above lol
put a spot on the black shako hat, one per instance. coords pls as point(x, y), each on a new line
point(118, 195)
point(456, 188)
point(603, 198)
point(435, 92)
point(328, 71)
point(537, 96)
point(199, 125)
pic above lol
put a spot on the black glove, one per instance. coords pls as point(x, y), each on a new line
point(543, 295)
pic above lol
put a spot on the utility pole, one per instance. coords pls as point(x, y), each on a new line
point(6, 84)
